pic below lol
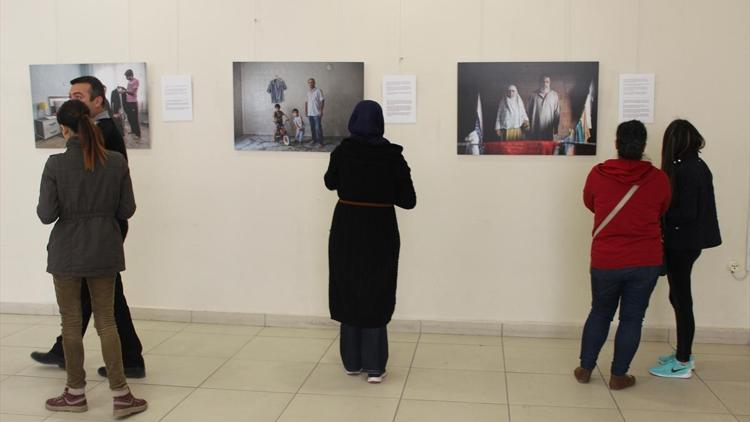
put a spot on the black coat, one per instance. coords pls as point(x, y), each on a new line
point(85, 206)
point(363, 245)
point(691, 221)
point(113, 142)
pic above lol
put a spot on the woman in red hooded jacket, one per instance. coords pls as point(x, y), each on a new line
point(628, 197)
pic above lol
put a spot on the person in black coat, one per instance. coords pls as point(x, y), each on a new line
point(690, 225)
point(90, 91)
point(371, 176)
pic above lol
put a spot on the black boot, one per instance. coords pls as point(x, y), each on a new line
point(49, 358)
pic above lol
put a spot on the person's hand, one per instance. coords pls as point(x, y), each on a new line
point(525, 125)
point(497, 131)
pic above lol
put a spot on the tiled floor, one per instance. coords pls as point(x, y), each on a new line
point(217, 373)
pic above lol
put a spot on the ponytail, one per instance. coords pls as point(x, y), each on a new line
point(75, 115)
point(92, 143)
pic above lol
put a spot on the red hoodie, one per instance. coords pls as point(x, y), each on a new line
point(633, 237)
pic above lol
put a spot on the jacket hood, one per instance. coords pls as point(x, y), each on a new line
point(630, 172)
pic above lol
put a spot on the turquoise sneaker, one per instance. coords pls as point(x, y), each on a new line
point(664, 359)
point(673, 369)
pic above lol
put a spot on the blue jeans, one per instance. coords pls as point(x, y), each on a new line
point(364, 348)
point(316, 129)
point(630, 288)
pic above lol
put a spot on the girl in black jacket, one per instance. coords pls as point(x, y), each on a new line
point(371, 176)
point(690, 225)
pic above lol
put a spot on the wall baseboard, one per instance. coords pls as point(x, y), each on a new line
point(716, 335)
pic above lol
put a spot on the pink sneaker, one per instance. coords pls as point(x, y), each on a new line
point(67, 402)
point(128, 405)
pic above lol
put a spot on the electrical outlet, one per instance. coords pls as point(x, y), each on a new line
point(733, 267)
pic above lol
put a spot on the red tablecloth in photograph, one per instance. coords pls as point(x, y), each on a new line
point(519, 147)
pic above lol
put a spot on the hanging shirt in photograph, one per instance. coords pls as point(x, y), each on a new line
point(276, 88)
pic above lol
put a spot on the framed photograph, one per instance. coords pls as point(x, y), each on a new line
point(527, 108)
point(294, 106)
point(126, 94)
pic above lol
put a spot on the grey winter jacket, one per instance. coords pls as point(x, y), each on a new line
point(86, 240)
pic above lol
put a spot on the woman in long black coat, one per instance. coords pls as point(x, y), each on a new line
point(371, 176)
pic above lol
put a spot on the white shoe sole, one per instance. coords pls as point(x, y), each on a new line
point(73, 409)
point(685, 375)
point(121, 413)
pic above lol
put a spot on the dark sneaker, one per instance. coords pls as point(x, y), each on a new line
point(376, 378)
point(67, 402)
point(131, 372)
point(49, 358)
point(128, 405)
point(582, 375)
point(619, 382)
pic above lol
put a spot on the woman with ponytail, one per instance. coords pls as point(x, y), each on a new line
point(690, 225)
point(84, 191)
point(628, 197)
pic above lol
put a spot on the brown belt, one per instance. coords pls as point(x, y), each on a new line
point(364, 204)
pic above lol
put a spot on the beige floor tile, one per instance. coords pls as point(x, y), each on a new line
point(721, 349)
point(435, 411)
point(461, 339)
point(160, 399)
point(4, 377)
point(561, 414)
point(225, 405)
point(540, 361)
point(401, 337)
point(77, 417)
point(323, 333)
point(399, 354)
point(159, 325)
point(285, 349)
point(149, 339)
point(26, 395)
point(459, 356)
point(639, 366)
point(542, 343)
point(314, 408)
point(723, 367)
point(201, 344)
point(30, 319)
point(653, 393)
point(655, 416)
point(235, 330)
point(330, 379)
point(280, 377)
point(557, 390)
point(41, 336)
point(8, 329)
point(6, 417)
point(456, 385)
point(650, 348)
point(735, 395)
point(92, 362)
point(742, 418)
point(180, 371)
point(15, 359)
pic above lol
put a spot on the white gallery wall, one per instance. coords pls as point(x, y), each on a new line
point(492, 238)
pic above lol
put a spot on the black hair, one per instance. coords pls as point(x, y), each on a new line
point(631, 140)
point(129, 72)
point(76, 116)
point(294, 110)
point(276, 106)
point(680, 138)
point(97, 88)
